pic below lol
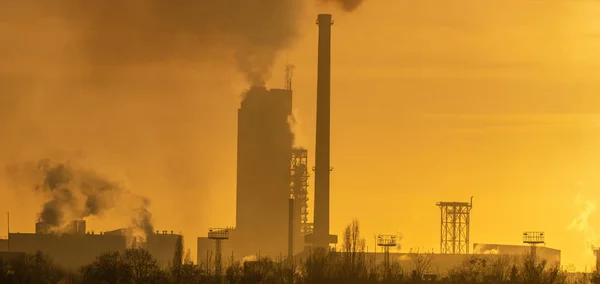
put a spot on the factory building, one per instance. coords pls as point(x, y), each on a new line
point(73, 247)
point(264, 181)
point(161, 245)
point(550, 255)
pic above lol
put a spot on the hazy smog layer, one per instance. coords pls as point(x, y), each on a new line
point(135, 90)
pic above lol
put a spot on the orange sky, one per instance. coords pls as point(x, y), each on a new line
point(431, 101)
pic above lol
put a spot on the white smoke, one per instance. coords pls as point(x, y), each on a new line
point(581, 224)
point(248, 258)
point(491, 251)
point(294, 123)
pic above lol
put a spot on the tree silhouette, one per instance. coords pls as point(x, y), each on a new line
point(107, 268)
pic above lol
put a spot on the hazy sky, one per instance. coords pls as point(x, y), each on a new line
point(431, 101)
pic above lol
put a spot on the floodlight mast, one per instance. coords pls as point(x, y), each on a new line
point(534, 239)
point(218, 235)
point(386, 241)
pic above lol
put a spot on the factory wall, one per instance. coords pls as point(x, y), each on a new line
point(163, 247)
point(12, 256)
point(69, 251)
point(441, 263)
point(206, 252)
point(552, 256)
point(264, 152)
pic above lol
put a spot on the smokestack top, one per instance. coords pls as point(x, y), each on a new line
point(324, 19)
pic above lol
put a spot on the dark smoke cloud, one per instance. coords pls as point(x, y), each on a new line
point(140, 87)
point(115, 34)
point(74, 193)
point(347, 5)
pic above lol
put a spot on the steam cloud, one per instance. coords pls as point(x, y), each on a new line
point(582, 225)
point(75, 193)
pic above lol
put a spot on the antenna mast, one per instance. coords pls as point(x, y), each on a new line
point(289, 72)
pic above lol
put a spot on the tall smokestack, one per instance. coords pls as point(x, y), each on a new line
point(322, 155)
point(597, 254)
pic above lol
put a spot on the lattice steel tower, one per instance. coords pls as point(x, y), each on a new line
point(299, 186)
point(386, 241)
point(454, 227)
point(218, 235)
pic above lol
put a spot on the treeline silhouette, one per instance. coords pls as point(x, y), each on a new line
point(349, 265)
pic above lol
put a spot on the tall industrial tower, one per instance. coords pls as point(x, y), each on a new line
point(263, 160)
point(321, 236)
point(454, 227)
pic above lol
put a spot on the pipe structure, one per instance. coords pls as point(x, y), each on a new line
point(322, 148)
point(291, 230)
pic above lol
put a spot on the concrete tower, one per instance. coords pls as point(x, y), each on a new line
point(321, 237)
point(264, 150)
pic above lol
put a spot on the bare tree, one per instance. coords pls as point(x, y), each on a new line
point(316, 269)
point(421, 263)
point(107, 268)
point(187, 259)
point(144, 268)
point(354, 264)
point(36, 268)
point(177, 260)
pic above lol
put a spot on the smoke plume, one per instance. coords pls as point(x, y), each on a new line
point(140, 88)
point(74, 193)
point(581, 223)
point(347, 5)
point(116, 34)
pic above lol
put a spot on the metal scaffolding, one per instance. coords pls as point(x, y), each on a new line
point(454, 227)
point(299, 186)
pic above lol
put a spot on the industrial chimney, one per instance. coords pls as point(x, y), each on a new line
point(321, 237)
point(597, 254)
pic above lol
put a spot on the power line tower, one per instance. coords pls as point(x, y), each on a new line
point(534, 239)
point(386, 241)
point(454, 227)
point(218, 235)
